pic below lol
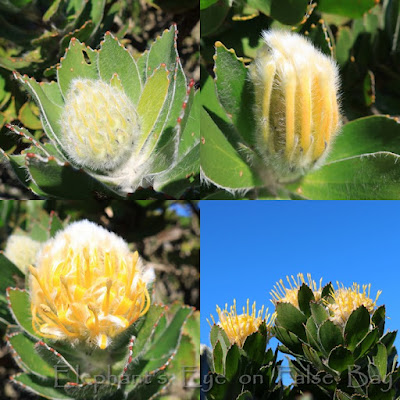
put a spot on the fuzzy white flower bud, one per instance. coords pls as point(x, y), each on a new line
point(297, 103)
point(22, 251)
point(99, 124)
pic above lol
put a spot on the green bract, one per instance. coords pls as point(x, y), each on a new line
point(114, 123)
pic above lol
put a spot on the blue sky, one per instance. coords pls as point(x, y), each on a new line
point(246, 246)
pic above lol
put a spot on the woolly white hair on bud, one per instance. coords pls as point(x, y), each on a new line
point(22, 251)
point(297, 110)
point(100, 125)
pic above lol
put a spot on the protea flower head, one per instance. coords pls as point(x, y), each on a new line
point(239, 327)
point(87, 287)
point(297, 103)
point(290, 295)
point(346, 300)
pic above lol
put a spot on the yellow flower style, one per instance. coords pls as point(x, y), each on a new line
point(282, 294)
point(346, 300)
point(87, 286)
point(239, 327)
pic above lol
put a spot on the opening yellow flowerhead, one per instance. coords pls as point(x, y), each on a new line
point(87, 286)
point(282, 294)
point(239, 327)
point(346, 300)
point(296, 88)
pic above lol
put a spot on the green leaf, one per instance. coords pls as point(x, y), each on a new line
point(64, 181)
point(151, 103)
point(312, 333)
point(319, 313)
point(10, 274)
point(218, 334)
point(55, 224)
point(151, 319)
point(115, 59)
point(39, 387)
point(212, 17)
point(340, 358)
point(169, 340)
point(366, 344)
point(219, 358)
point(79, 62)
point(50, 111)
point(313, 356)
point(220, 161)
point(245, 396)
point(235, 91)
point(346, 8)
point(29, 115)
point(305, 296)
point(366, 135)
point(162, 51)
point(356, 327)
point(289, 12)
point(254, 346)
point(291, 318)
point(367, 177)
point(388, 339)
point(232, 362)
point(149, 388)
point(30, 359)
point(339, 395)
point(21, 309)
point(330, 335)
point(289, 339)
point(381, 360)
point(378, 318)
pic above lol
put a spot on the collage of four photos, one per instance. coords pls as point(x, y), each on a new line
point(127, 124)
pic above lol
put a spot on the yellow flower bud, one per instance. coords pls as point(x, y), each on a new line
point(87, 286)
point(99, 125)
point(297, 111)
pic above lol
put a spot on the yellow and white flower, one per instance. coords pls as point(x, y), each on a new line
point(290, 295)
point(346, 300)
point(239, 327)
point(87, 286)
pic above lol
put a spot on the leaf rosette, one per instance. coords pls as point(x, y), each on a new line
point(114, 123)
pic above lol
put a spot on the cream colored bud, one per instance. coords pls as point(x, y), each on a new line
point(297, 107)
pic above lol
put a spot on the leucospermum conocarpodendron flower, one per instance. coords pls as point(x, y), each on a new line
point(239, 327)
point(346, 300)
point(87, 286)
point(297, 103)
point(285, 295)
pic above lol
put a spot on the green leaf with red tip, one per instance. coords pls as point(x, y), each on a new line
point(79, 62)
point(20, 306)
point(182, 176)
point(28, 358)
point(115, 59)
point(163, 51)
point(40, 387)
